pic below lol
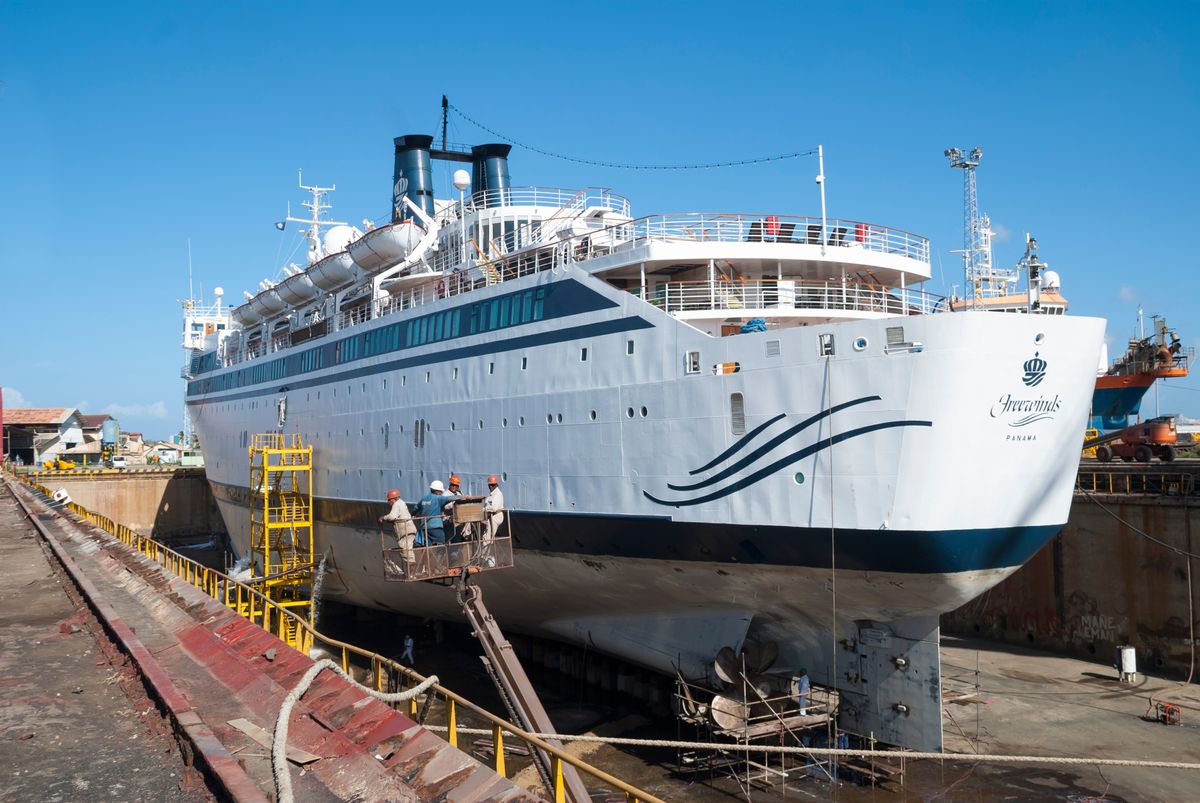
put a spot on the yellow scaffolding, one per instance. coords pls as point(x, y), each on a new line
point(281, 523)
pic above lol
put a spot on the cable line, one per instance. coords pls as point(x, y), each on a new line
point(628, 166)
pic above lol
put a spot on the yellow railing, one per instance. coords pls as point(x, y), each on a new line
point(1136, 483)
point(278, 620)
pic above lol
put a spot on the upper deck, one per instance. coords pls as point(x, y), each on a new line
point(712, 270)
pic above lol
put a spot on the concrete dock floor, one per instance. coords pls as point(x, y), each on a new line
point(75, 723)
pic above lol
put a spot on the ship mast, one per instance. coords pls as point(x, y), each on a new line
point(315, 207)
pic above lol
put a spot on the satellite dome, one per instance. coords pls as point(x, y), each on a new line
point(218, 291)
point(1051, 280)
point(338, 237)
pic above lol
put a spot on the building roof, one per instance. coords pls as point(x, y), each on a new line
point(167, 445)
point(94, 420)
point(32, 416)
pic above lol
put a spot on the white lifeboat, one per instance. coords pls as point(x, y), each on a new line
point(385, 246)
point(268, 303)
point(298, 289)
point(333, 272)
point(245, 315)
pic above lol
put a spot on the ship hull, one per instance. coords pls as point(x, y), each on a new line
point(673, 493)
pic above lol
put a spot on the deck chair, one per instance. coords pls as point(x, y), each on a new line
point(756, 232)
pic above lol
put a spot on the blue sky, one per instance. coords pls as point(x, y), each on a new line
point(126, 129)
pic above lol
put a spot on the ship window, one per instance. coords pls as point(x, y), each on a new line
point(455, 376)
point(592, 415)
point(524, 363)
point(583, 354)
point(521, 421)
point(481, 423)
point(491, 367)
point(645, 412)
point(825, 345)
point(691, 362)
point(549, 418)
point(629, 347)
point(387, 432)
point(629, 412)
point(737, 414)
point(558, 418)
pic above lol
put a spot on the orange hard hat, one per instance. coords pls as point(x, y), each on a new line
point(493, 479)
point(393, 494)
point(454, 480)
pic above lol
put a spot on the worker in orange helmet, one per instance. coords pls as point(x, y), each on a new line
point(454, 489)
point(493, 510)
point(403, 526)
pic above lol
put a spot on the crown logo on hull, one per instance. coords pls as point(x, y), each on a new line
point(1035, 371)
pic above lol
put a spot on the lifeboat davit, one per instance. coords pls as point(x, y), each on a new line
point(385, 246)
point(298, 289)
point(333, 272)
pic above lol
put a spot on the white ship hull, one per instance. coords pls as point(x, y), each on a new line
point(645, 527)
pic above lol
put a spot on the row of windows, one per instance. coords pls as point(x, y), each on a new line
point(512, 309)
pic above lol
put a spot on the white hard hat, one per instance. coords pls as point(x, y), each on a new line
point(436, 485)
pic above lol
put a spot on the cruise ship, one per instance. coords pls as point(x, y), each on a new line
point(711, 429)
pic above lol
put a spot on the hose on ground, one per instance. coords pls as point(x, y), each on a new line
point(279, 766)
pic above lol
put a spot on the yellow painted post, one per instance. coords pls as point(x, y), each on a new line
point(453, 731)
point(560, 792)
point(498, 738)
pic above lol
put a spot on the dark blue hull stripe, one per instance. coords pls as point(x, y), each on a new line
point(736, 447)
point(676, 542)
point(762, 473)
point(769, 445)
point(615, 326)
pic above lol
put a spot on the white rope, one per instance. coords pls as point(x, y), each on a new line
point(279, 766)
point(829, 751)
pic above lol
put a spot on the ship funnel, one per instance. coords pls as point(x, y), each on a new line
point(489, 174)
point(413, 176)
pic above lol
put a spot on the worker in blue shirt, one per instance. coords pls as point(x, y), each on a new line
point(429, 513)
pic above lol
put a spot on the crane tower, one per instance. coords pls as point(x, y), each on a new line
point(982, 278)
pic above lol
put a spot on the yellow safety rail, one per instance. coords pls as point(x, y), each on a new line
point(1135, 483)
point(280, 620)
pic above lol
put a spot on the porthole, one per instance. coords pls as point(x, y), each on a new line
point(451, 426)
point(592, 415)
point(504, 422)
point(481, 423)
point(860, 343)
point(644, 412)
point(798, 478)
point(549, 418)
point(504, 476)
point(558, 418)
point(1039, 337)
point(521, 421)
point(629, 412)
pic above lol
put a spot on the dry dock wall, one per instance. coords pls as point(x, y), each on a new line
point(166, 504)
point(1099, 585)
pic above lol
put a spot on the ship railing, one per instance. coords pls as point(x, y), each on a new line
point(374, 670)
point(791, 295)
point(1159, 480)
point(549, 197)
point(354, 316)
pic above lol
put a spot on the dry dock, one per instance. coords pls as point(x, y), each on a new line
point(69, 734)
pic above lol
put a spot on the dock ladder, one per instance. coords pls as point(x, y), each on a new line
point(281, 523)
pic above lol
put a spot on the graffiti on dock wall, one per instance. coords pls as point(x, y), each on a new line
point(1083, 624)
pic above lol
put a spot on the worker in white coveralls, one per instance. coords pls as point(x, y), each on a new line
point(404, 527)
point(493, 509)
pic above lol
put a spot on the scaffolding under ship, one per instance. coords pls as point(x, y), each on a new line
point(714, 429)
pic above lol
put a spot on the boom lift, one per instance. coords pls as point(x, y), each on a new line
point(455, 564)
point(1140, 442)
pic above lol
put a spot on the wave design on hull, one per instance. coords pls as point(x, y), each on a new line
point(784, 462)
point(786, 435)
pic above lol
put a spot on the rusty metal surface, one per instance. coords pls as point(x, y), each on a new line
point(1099, 584)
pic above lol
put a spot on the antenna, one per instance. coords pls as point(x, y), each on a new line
point(190, 293)
point(315, 207)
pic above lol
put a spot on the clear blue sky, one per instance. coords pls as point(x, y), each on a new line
point(126, 129)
